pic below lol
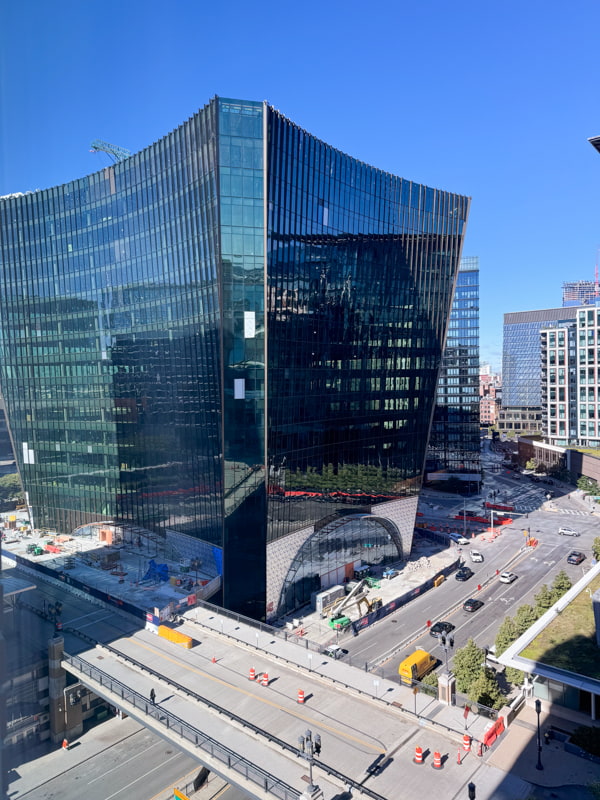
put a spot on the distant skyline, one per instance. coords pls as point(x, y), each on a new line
point(495, 101)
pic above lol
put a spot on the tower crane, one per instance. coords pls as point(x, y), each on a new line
point(114, 151)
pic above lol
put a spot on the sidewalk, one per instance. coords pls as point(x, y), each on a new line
point(516, 753)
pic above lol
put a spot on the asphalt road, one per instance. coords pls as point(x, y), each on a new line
point(140, 767)
point(534, 567)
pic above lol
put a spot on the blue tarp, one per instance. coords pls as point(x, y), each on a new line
point(157, 572)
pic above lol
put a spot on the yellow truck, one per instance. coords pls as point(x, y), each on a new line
point(416, 666)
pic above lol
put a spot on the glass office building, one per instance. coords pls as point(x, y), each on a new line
point(521, 367)
point(232, 339)
point(455, 434)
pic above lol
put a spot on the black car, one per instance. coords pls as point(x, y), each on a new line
point(439, 628)
point(472, 605)
point(464, 573)
point(575, 557)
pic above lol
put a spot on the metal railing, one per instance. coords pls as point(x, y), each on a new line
point(233, 761)
point(329, 770)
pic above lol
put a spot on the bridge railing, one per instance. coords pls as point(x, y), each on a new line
point(235, 762)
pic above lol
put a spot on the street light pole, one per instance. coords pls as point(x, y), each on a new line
point(538, 711)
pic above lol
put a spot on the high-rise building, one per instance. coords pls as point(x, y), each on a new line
point(521, 368)
point(571, 380)
point(579, 293)
point(558, 344)
point(455, 438)
point(232, 339)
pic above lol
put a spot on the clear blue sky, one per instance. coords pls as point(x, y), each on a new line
point(493, 100)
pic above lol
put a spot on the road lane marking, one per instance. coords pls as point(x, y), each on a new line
point(144, 776)
point(252, 695)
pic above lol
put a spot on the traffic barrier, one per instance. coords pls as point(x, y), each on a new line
point(458, 761)
point(175, 636)
point(265, 679)
point(437, 760)
point(300, 696)
point(418, 759)
point(466, 743)
point(252, 675)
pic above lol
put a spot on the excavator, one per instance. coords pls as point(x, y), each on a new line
point(357, 597)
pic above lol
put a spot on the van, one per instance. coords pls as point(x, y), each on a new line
point(416, 666)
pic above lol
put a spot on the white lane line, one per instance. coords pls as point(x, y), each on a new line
point(122, 764)
point(143, 777)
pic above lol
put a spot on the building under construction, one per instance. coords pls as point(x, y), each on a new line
point(580, 293)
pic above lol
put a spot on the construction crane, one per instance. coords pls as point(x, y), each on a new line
point(114, 151)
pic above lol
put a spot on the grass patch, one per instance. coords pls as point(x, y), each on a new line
point(569, 641)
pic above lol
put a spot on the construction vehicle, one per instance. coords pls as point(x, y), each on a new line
point(357, 597)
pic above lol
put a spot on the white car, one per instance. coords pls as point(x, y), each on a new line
point(508, 577)
point(456, 537)
point(567, 532)
point(475, 555)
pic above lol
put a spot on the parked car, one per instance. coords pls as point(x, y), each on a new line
point(456, 537)
point(333, 651)
point(575, 557)
point(476, 556)
point(438, 628)
point(508, 577)
point(472, 605)
point(567, 532)
point(464, 573)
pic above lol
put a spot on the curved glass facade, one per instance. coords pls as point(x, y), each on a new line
point(231, 338)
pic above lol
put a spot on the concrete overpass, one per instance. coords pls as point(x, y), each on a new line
point(249, 733)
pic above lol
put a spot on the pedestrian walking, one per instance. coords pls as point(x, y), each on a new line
point(152, 696)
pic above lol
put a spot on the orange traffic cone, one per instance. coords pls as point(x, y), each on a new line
point(301, 695)
point(65, 744)
point(418, 759)
point(214, 660)
point(437, 760)
point(252, 675)
point(265, 679)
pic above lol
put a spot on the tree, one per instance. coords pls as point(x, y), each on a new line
point(544, 599)
point(10, 487)
point(560, 585)
point(524, 618)
point(484, 689)
point(514, 676)
point(467, 665)
point(531, 464)
point(596, 548)
point(507, 634)
point(588, 485)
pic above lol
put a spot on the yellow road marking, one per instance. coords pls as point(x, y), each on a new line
point(263, 700)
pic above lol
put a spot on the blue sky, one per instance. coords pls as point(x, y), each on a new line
point(493, 100)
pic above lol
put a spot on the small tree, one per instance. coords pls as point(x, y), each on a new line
point(588, 485)
point(531, 464)
point(596, 548)
point(10, 487)
point(560, 585)
point(467, 665)
point(524, 618)
point(484, 689)
point(507, 634)
point(544, 599)
point(431, 679)
point(514, 676)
